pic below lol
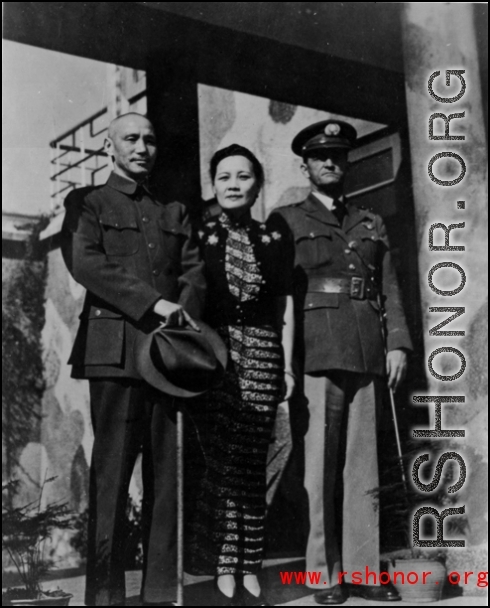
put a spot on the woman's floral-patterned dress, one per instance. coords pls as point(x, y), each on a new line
point(248, 265)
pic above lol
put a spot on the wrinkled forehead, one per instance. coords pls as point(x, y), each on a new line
point(128, 125)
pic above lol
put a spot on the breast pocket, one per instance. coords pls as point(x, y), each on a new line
point(120, 235)
point(313, 248)
point(173, 238)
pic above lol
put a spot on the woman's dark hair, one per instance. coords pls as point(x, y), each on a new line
point(237, 150)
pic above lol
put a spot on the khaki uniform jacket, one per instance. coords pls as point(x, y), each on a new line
point(336, 331)
point(128, 251)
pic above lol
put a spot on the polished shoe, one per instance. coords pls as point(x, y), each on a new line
point(220, 599)
point(383, 593)
point(333, 595)
point(246, 598)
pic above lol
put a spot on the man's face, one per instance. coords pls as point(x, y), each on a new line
point(131, 142)
point(326, 169)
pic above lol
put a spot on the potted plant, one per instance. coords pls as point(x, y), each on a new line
point(25, 532)
point(398, 502)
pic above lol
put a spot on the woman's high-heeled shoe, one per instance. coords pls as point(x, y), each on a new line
point(220, 599)
point(246, 598)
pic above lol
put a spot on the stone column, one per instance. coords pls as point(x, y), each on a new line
point(438, 37)
point(117, 103)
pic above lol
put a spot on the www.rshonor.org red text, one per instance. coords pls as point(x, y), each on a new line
point(384, 578)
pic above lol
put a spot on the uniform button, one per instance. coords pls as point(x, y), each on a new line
point(348, 251)
point(146, 219)
point(312, 234)
point(352, 267)
point(156, 272)
point(374, 238)
point(151, 245)
point(98, 313)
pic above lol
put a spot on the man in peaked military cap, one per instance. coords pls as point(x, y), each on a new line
point(339, 249)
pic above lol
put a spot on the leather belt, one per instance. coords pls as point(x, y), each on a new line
point(356, 288)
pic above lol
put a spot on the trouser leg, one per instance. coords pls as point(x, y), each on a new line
point(117, 425)
point(360, 542)
point(341, 438)
point(322, 553)
point(160, 502)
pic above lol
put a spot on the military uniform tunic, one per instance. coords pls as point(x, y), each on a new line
point(340, 331)
point(128, 250)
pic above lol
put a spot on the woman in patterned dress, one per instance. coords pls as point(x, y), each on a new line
point(249, 272)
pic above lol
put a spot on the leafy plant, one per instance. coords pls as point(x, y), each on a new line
point(25, 531)
point(23, 318)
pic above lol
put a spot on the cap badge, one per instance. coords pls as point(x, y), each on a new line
point(332, 129)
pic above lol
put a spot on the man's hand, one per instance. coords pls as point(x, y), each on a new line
point(173, 315)
point(396, 368)
point(289, 384)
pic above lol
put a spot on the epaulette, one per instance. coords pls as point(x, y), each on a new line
point(368, 211)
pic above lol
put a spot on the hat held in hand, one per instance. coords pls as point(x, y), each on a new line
point(181, 361)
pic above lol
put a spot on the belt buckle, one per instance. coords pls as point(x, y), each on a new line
point(357, 288)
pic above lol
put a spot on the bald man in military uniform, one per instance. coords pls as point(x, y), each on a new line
point(141, 267)
point(342, 260)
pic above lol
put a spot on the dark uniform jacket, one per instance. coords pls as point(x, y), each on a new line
point(343, 330)
point(128, 251)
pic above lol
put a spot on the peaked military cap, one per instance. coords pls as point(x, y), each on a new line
point(325, 134)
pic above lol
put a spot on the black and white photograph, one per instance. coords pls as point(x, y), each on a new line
point(245, 304)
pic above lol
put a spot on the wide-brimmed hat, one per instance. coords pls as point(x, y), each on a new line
point(181, 361)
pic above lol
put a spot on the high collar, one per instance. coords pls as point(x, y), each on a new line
point(230, 222)
point(125, 185)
